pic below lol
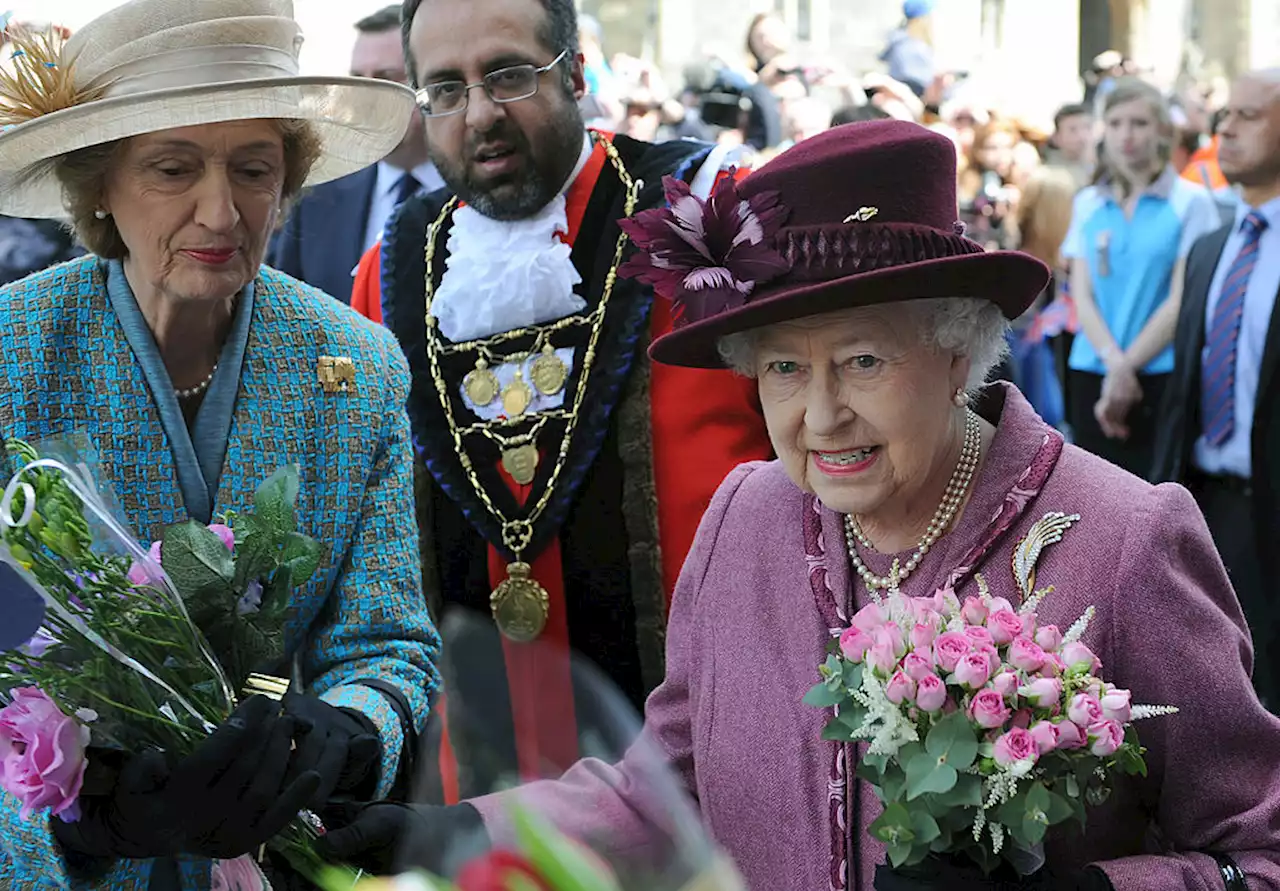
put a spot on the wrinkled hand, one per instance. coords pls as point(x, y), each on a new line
point(223, 800)
point(339, 745)
point(388, 837)
point(1121, 392)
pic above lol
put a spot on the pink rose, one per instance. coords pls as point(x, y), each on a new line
point(241, 874)
point(869, 618)
point(998, 604)
point(1014, 746)
point(224, 532)
point(974, 611)
point(1053, 666)
point(949, 648)
point(139, 574)
point(892, 633)
point(1045, 734)
point(978, 636)
point(917, 665)
point(931, 693)
point(1042, 692)
point(882, 658)
point(42, 755)
point(1079, 658)
point(973, 670)
point(988, 709)
point(923, 611)
point(922, 637)
point(1005, 683)
point(1004, 626)
point(1021, 718)
point(900, 688)
point(1049, 638)
point(946, 602)
point(1116, 705)
point(1070, 736)
point(1105, 737)
point(1084, 709)
point(1026, 655)
point(1029, 626)
point(854, 643)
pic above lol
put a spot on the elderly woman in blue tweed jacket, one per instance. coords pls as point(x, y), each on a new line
point(171, 133)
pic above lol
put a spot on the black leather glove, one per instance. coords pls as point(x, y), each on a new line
point(341, 745)
point(388, 837)
point(940, 875)
point(221, 801)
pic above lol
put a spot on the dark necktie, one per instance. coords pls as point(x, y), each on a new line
point(1218, 391)
point(406, 186)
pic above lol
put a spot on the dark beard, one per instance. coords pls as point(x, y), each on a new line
point(538, 183)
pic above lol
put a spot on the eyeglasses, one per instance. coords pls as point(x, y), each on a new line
point(504, 85)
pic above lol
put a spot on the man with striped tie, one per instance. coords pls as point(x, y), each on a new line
point(1222, 432)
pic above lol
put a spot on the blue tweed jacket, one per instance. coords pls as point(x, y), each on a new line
point(68, 370)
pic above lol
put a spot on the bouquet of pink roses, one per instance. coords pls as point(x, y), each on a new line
point(984, 728)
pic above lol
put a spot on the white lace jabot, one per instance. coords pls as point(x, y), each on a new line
point(506, 274)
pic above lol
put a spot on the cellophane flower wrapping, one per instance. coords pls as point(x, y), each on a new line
point(139, 647)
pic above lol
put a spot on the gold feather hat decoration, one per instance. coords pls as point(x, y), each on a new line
point(41, 80)
point(151, 66)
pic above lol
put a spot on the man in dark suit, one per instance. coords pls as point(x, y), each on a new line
point(331, 228)
point(1221, 435)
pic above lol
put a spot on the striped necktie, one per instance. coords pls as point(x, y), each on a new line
point(1217, 393)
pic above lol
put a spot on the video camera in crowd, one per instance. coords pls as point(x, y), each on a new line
point(730, 100)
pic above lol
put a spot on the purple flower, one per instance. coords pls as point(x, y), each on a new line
point(251, 601)
point(707, 256)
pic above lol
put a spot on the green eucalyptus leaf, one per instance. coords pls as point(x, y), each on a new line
point(953, 740)
point(924, 826)
point(1059, 809)
point(823, 696)
point(852, 675)
point(926, 773)
point(967, 792)
point(894, 783)
point(197, 561)
point(879, 762)
point(275, 503)
point(898, 854)
point(893, 827)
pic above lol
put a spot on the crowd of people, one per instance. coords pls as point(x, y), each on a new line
point(678, 380)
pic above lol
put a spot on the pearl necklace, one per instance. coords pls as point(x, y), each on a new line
point(193, 392)
point(957, 490)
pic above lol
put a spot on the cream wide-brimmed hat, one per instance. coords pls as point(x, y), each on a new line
point(152, 65)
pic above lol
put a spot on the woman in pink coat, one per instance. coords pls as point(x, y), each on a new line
point(870, 325)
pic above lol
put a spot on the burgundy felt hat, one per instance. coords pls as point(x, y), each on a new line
point(859, 215)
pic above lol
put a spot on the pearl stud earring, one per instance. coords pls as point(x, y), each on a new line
point(100, 214)
point(960, 398)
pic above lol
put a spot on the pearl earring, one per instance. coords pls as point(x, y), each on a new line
point(960, 398)
point(100, 214)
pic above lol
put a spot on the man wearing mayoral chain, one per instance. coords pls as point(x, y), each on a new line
point(565, 475)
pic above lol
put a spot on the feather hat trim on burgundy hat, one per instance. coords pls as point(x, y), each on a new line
point(859, 215)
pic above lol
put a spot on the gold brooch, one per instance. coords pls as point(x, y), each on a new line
point(337, 373)
point(863, 214)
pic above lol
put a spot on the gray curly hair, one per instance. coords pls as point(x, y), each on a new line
point(965, 326)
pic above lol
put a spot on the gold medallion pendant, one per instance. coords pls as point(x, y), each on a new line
point(481, 385)
point(521, 462)
point(548, 372)
point(517, 397)
point(519, 605)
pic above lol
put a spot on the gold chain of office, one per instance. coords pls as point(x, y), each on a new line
point(519, 604)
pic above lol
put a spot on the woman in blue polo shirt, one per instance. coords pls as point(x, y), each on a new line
point(1129, 237)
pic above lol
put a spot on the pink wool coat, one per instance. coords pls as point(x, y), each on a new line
point(746, 637)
